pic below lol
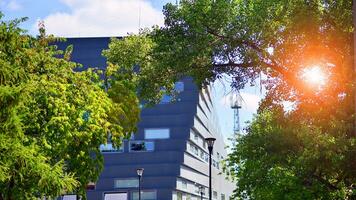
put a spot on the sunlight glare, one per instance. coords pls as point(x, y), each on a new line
point(314, 75)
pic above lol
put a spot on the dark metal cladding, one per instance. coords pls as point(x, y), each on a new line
point(169, 144)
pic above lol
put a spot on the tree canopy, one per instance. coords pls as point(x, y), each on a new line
point(53, 119)
point(245, 40)
point(306, 152)
point(284, 156)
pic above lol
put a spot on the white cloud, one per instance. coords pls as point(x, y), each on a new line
point(11, 5)
point(102, 18)
point(248, 101)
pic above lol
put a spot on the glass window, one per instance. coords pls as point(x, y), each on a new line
point(69, 197)
point(204, 190)
point(139, 146)
point(192, 147)
point(196, 137)
point(196, 151)
point(184, 185)
point(206, 157)
point(189, 197)
point(222, 196)
point(109, 148)
point(196, 189)
point(179, 196)
point(145, 195)
point(126, 183)
point(184, 196)
point(202, 155)
point(157, 133)
point(215, 195)
point(115, 196)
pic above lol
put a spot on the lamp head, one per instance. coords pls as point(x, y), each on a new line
point(210, 141)
point(139, 171)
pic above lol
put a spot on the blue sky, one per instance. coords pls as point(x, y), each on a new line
point(80, 18)
point(73, 18)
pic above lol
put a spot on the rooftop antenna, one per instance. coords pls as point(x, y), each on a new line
point(41, 28)
point(236, 104)
point(139, 16)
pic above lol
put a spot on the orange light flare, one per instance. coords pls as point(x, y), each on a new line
point(314, 76)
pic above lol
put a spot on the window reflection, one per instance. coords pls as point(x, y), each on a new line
point(141, 146)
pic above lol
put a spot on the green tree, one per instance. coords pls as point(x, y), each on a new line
point(284, 156)
point(53, 119)
point(276, 41)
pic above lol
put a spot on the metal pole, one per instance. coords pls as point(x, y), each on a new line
point(210, 151)
point(210, 142)
point(201, 195)
point(139, 187)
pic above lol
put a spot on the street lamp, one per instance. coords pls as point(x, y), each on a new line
point(210, 142)
point(139, 174)
point(201, 189)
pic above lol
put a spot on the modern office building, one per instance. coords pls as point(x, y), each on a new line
point(169, 144)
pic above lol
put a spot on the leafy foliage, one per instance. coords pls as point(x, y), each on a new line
point(283, 157)
point(53, 119)
point(301, 153)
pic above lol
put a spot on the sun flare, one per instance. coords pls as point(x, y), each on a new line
point(314, 75)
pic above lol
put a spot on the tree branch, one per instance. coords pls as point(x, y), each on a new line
point(325, 182)
point(232, 64)
point(273, 64)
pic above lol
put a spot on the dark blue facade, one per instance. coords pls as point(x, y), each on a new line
point(169, 144)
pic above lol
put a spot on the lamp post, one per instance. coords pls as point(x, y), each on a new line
point(139, 174)
point(201, 192)
point(210, 142)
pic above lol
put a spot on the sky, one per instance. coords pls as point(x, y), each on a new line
point(88, 18)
